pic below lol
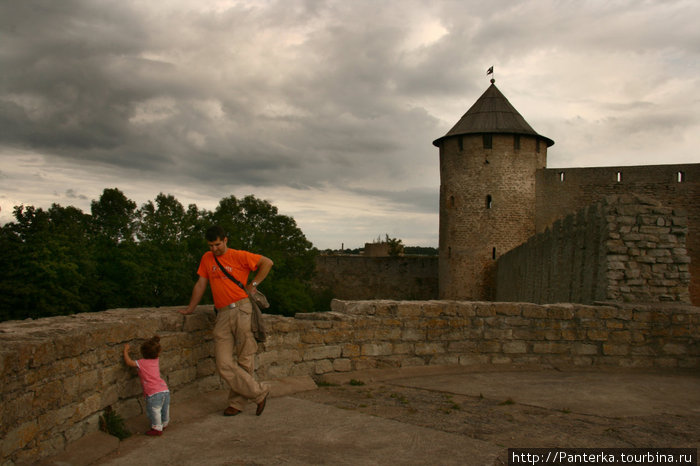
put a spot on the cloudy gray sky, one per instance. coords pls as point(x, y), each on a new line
point(327, 108)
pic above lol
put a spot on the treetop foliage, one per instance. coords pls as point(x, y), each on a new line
point(62, 261)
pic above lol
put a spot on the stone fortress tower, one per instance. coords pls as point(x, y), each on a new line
point(488, 165)
point(497, 193)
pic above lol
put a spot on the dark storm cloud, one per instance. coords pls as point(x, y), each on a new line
point(325, 96)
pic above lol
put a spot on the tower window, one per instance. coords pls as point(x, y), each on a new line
point(488, 141)
point(537, 145)
point(493, 253)
point(489, 201)
point(460, 143)
point(449, 252)
point(561, 176)
point(681, 177)
point(452, 201)
point(619, 177)
point(516, 142)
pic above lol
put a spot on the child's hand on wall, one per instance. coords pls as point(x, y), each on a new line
point(129, 362)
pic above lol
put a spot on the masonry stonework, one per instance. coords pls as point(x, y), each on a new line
point(561, 191)
point(60, 373)
point(496, 192)
point(625, 248)
point(487, 207)
point(362, 277)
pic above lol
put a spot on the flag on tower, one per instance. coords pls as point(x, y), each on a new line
point(489, 71)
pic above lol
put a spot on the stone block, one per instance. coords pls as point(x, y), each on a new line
point(18, 438)
point(423, 348)
point(610, 349)
point(342, 365)
point(580, 349)
point(322, 352)
point(507, 309)
point(488, 347)
point(411, 334)
point(323, 366)
point(674, 349)
point(514, 347)
point(560, 312)
point(473, 359)
point(350, 350)
point(549, 348)
point(402, 348)
point(376, 349)
point(312, 337)
point(597, 335)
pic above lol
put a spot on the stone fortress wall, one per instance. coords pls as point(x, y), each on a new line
point(366, 277)
point(60, 373)
point(625, 249)
point(563, 191)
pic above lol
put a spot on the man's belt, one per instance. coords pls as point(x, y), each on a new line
point(231, 306)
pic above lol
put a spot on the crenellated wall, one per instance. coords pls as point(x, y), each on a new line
point(59, 374)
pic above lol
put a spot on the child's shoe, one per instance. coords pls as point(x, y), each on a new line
point(154, 432)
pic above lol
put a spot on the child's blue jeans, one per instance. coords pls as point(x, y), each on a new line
point(158, 409)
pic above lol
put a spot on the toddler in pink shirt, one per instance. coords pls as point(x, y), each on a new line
point(154, 387)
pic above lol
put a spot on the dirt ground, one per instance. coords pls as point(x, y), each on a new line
point(505, 423)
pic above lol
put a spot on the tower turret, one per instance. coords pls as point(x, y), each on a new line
point(488, 162)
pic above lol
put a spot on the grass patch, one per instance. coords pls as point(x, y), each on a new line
point(113, 424)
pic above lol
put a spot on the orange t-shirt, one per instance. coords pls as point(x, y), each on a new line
point(237, 263)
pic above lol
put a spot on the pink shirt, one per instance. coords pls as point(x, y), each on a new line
point(149, 373)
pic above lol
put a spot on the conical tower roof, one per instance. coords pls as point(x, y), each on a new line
point(492, 113)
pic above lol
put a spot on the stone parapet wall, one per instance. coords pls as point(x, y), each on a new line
point(59, 374)
point(624, 248)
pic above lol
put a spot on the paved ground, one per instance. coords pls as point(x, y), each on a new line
point(417, 416)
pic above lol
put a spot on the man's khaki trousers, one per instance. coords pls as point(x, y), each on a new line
point(232, 331)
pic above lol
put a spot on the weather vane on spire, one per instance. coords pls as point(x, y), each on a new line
point(490, 71)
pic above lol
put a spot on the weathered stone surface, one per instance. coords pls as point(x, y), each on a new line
point(69, 393)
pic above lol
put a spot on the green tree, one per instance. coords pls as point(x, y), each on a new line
point(119, 270)
point(46, 263)
point(61, 260)
point(395, 246)
point(166, 277)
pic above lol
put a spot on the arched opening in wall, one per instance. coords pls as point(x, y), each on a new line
point(493, 253)
point(460, 143)
point(561, 177)
point(452, 201)
point(449, 252)
point(516, 142)
point(680, 177)
point(488, 141)
point(619, 177)
point(489, 201)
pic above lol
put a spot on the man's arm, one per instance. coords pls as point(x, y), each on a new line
point(263, 268)
point(197, 292)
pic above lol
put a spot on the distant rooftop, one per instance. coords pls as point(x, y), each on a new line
point(492, 113)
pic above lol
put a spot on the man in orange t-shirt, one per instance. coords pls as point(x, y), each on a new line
point(232, 328)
